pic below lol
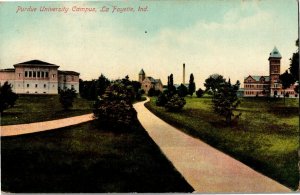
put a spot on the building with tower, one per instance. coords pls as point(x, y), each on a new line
point(148, 82)
point(38, 77)
point(268, 85)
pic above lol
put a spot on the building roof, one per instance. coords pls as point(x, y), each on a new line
point(177, 85)
point(275, 53)
point(257, 78)
point(154, 80)
point(67, 72)
point(35, 63)
point(142, 72)
point(7, 70)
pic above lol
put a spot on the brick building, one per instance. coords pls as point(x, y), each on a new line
point(268, 85)
point(148, 82)
point(38, 77)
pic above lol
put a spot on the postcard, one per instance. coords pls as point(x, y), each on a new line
point(149, 96)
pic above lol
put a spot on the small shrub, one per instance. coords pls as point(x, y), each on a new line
point(182, 90)
point(175, 104)
point(161, 100)
point(66, 98)
point(7, 97)
point(199, 93)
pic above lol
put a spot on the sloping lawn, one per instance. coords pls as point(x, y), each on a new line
point(35, 108)
point(266, 137)
point(85, 159)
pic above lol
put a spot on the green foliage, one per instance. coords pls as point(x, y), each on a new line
point(101, 84)
point(175, 104)
point(192, 85)
point(66, 98)
point(286, 79)
point(294, 63)
point(225, 100)
point(114, 109)
point(199, 93)
point(92, 89)
point(7, 97)
point(213, 82)
point(171, 88)
point(151, 92)
point(162, 99)
point(182, 90)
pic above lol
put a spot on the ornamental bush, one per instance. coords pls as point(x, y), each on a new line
point(66, 98)
point(114, 109)
point(161, 100)
point(175, 103)
point(7, 97)
point(199, 93)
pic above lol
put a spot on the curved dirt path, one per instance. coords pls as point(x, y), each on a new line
point(12, 130)
point(205, 168)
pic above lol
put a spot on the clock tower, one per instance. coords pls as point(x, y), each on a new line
point(274, 63)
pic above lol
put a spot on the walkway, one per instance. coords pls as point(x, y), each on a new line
point(12, 130)
point(206, 169)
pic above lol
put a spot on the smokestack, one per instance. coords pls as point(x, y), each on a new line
point(183, 80)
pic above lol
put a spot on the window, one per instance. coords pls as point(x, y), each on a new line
point(26, 74)
point(53, 76)
point(38, 74)
point(72, 78)
point(45, 85)
point(36, 85)
point(46, 74)
point(34, 74)
point(27, 85)
point(72, 86)
point(43, 74)
point(19, 75)
point(30, 74)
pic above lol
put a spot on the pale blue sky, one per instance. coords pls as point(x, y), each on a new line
point(232, 38)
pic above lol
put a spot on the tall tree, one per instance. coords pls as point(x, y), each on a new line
point(101, 84)
point(213, 82)
point(286, 81)
point(7, 97)
point(171, 87)
point(225, 100)
point(294, 63)
point(192, 85)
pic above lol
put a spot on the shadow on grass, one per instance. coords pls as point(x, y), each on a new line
point(86, 159)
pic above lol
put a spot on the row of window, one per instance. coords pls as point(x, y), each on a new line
point(253, 81)
point(253, 92)
point(255, 86)
point(37, 74)
point(36, 85)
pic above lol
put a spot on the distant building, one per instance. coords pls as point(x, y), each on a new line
point(268, 85)
point(38, 77)
point(148, 82)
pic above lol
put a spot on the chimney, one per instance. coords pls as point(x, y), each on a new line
point(183, 79)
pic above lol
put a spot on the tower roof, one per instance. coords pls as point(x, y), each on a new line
point(142, 72)
point(275, 53)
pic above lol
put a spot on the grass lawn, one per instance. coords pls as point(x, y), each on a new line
point(35, 108)
point(266, 137)
point(85, 159)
